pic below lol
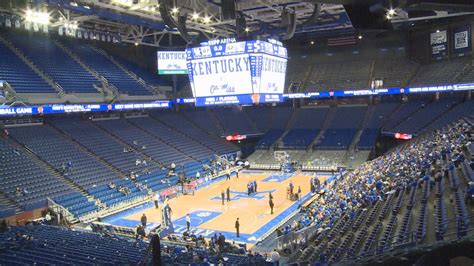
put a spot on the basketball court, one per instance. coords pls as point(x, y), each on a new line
point(209, 216)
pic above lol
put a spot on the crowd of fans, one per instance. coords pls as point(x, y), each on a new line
point(424, 160)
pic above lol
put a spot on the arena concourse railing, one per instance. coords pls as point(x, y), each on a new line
point(118, 208)
point(295, 240)
point(59, 209)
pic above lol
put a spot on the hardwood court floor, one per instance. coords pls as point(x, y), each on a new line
point(208, 213)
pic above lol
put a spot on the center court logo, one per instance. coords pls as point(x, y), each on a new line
point(204, 214)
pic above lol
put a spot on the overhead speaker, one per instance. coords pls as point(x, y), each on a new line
point(291, 27)
point(362, 18)
point(241, 25)
point(228, 9)
point(183, 29)
point(285, 18)
point(311, 19)
point(165, 12)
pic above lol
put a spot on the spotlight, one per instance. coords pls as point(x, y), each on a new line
point(195, 16)
point(437, 31)
point(247, 29)
point(360, 37)
point(206, 19)
point(174, 10)
point(390, 13)
point(37, 17)
point(136, 44)
point(312, 42)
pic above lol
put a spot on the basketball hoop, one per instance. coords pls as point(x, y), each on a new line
point(188, 189)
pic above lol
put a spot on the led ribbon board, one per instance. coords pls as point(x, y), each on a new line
point(237, 73)
point(80, 108)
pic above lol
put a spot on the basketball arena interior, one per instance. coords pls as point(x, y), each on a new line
point(236, 132)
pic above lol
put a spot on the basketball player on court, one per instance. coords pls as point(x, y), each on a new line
point(271, 205)
point(157, 200)
point(188, 221)
point(237, 227)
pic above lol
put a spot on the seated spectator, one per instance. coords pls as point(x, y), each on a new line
point(469, 193)
point(140, 232)
point(18, 192)
point(47, 218)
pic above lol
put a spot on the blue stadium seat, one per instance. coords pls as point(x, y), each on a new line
point(19, 75)
point(100, 63)
point(57, 150)
point(55, 63)
point(20, 170)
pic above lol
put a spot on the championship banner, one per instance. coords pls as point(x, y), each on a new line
point(439, 44)
point(461, 40)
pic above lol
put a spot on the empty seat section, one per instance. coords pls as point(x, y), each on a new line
point(379, 114)
point(188, 148)
point(180, 123)
point(76, 203)
point(343, 127)
point(20, 170)
point(425, 115)
point(62, 246)
point(234, 121)
point(151, 78)
point(269, 139)
point(102, 64)
point(261, 116)
point(19, 75)
point(104, 145)
point(55, 63)
point(133, 136)
point(299, 138)
point(85, 170)
point(205, 120)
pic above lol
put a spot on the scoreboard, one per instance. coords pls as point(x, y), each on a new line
point(171, 62)
point(237, 73)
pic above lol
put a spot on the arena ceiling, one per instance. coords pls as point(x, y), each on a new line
point(140, 21)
